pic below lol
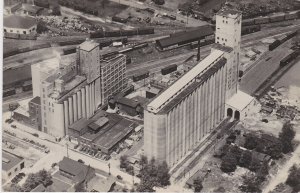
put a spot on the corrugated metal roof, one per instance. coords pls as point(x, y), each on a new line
point(182, 82)
point(187, 37)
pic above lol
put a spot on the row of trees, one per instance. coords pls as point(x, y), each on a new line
point(32, 181)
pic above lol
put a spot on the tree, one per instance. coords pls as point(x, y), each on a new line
point(56, 10)
point(15, 188)
point(197, 184)
point(250, 142)
point(245, 159)
point(262, 172)
point(286, 137)
point(250, 184)
point(229, 163)
point(163, 174)
point(293, 179)
point(123, 161)
point(41, 27)
point(33, 180)
point(130, 170)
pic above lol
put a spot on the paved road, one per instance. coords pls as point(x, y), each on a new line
point(58, 151)
point(160, 10)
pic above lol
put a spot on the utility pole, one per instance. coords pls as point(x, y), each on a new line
point(133, 176)
point(198, 55)
point(67, 149)
point(108, 168)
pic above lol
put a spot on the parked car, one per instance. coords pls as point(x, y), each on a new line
point(14, 126)
point(119, 177)
point(35, 134)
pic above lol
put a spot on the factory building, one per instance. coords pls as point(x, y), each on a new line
point(194, 105)
point(75, 90)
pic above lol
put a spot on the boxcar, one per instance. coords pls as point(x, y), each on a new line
point(169, 69)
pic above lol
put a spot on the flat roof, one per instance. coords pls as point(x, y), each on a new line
point(110, 138)
point(17, 21)
point(31, 8)
point(186, 37)
point(79, 124)
point(178, 85)
point(189, 89)
point(10, 160)
point(222, 47)
point(99, 123)
point(240, 100)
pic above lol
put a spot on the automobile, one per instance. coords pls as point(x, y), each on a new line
point(35, 134)
point(265, 120)
point(81, 149)
point(7, 120)
point(14, 126)
point(47, 151)
point(119, 177)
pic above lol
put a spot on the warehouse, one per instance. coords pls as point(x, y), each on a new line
point(11, 164)
point(182, 38)
point(19, 24)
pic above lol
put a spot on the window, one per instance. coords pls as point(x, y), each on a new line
point(218, 38)
point(24, 32)
point(4, 30)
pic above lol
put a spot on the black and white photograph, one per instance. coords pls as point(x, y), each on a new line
point(150, 96)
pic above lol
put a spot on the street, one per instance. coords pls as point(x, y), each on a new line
point(59, 150)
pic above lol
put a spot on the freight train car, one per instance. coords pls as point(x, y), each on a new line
point(71, 50)
point(292, 15)
point(247, 22)
point(41, 3)
point(169, 69)
point(140, 76)
point(145, 31)
point(289, 58)
point(9, 92)
point(250, 29)
point(277, 18)
point(261, 20)
point(274, 45)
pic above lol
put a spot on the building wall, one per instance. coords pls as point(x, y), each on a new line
point(113, 78)
point(228, 33)
point(31, 30)
point(35, 115)
point(173, 134)
point(6, 175)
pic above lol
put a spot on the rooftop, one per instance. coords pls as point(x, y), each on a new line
point(228, 12)
point(88, 45)
point(17, 21)
point(187, 37)
point(79, 124)
point(99, 123)
point(36, 100)
point(10, 160)
point(100, 184)
point(39, 188)
point(189, 89)
point(240, 100)
point(75, 168)
point(128, 102)
point(182, 82)
point(222, 47)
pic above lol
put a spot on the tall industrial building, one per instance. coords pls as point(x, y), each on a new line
point(194, 105)
point(77, 87)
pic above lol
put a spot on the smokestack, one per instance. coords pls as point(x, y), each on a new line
point(198, 55)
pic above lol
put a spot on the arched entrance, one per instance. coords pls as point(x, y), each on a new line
point(237, 115)
point(229, 112)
